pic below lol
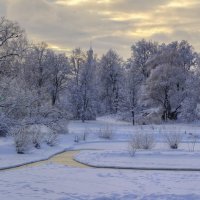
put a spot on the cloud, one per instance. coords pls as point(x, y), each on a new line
point(66, 24)
point(2, 8)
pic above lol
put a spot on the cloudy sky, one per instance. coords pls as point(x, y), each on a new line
point(66, 24)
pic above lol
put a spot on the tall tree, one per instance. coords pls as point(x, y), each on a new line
point(12, 37)
point(88, 88)
point(37, 75)
point(58, 71)
point(77, 60)
point(175, 53)
point(142, 51)
point(82, 85)
point(169, 88)
point(110, 80)
point(133, 79)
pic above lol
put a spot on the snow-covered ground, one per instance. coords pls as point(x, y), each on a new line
point(9, 157)
point(142, 159)
point(53, 181)
point(50, 182)
point(123, 131)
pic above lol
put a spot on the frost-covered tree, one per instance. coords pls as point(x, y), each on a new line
point(82, 86)
point(88, 88)
point(37, 84)
point(58, 70)
point(37, 75)
point(190, 103)
point(12, 39)
point(110, 79)
point(169, 88)
point(133, 78)
point(13, 44)
point(175, 53)
point(76, 62)
point(141, 52)
point(187, 55)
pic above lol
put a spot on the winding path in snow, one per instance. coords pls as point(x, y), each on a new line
point(64, 158)
point(67, 158)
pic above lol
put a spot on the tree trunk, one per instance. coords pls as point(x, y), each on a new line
point(83, 117)
point(133, 117)
point(53, 100)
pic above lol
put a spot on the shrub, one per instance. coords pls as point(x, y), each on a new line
point(60, 126)
point(173, 139)
point(37, 138)
point(22, 140)
point(82, 136)
point(76, 138)
point(106, 132)
point(132, 148)
point(193, 140)
point(86, 132)
point(52, 138)
point(142, 141)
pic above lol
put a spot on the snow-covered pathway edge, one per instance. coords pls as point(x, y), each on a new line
point(136, 168)
point(36, 160)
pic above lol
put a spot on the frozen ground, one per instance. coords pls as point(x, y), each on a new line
point(9, 157)
point(51, 181)
point(123, 131)
point(142, 159)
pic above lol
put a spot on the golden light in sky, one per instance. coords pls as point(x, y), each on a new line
point(180, 4)
point(71, 2)
point(150, 31)
point(76, 2)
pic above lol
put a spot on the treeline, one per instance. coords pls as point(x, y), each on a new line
point(159, 82)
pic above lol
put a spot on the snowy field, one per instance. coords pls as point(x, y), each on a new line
point(9, 157)
point(50, 182)
point(55, 181)
point(143, 159)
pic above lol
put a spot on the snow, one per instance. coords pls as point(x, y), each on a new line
point(9, 157)
point(123, 131)
point(56, 181)
point(142, 159)
point(50, 182)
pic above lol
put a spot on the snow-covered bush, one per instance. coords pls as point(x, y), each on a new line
point(82, 136)
point(142, 141)
point(37, 134)
point(106, 132)
point(86, 132)
point(51, 139)
point(173, 139)
point(76, 138)
point(193, 140)
point(37, 138)
point(33, 135)
point(132, 148)
point(60, 127)
point(22, 140)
